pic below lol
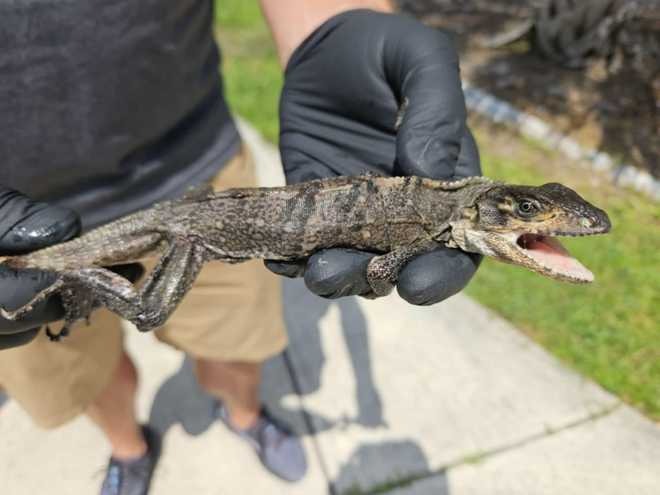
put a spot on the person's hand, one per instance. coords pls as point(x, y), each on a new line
point(27, 225)
point(375, 92)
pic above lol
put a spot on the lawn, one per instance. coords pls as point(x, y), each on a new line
point(610, 330)
point(252, 73)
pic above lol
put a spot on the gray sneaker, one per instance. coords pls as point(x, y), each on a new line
point(133, 477)
point(279, 450)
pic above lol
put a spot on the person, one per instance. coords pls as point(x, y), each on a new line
point(108, 107)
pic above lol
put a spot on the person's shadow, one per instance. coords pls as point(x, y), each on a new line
point(306, 357)
point(180, 399)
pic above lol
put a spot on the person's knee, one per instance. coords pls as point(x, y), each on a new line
point(216, 375)
point(206, 374)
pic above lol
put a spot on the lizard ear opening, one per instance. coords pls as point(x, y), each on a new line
point(470, 213)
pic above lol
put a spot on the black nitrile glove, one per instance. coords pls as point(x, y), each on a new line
point(339, 108)
point(25, 226)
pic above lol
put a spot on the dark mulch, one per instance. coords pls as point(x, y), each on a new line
point(609, 104)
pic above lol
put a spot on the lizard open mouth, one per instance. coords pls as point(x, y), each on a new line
point(553, 258)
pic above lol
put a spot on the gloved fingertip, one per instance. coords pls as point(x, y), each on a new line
point(42, 227)
point(436, 276)
point(335, 273)
point(289, 269)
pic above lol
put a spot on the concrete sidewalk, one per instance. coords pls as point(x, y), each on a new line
point(389, 398)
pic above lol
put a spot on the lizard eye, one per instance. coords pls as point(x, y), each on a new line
point(527, 208)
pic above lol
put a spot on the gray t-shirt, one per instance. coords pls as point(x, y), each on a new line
point(108, 106)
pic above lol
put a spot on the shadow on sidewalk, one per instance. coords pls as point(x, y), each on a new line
point(181, 400)
point(382, 467)
point(299, 372)
point(306, 357)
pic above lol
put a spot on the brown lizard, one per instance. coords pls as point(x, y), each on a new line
point(398, 218)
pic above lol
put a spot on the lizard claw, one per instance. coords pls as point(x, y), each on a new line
point(8, 315)
point(52, 336)
point(56, 337)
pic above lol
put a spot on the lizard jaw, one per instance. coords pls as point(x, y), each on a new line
point(546, 255)
point(541, 253)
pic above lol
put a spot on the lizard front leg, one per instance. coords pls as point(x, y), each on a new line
point(383, 271)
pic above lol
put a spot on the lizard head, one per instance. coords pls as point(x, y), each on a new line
point(518, 224)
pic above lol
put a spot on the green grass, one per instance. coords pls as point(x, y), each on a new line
point(252, 73)
point(610, 330)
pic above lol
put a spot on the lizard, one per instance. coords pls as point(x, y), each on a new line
point(396, 217)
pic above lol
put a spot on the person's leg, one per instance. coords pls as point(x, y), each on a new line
point(86, 372)
point(236, 384)
point(135, 448)
point(113, 411)
point(230, 322)
point(54, 382)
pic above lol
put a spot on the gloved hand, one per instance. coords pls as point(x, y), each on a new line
point(26, 225)
point(374, 92)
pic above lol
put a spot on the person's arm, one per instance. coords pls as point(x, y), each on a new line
point(291, 21)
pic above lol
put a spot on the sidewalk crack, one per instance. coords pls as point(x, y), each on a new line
point(476, 457)
point(548, 432)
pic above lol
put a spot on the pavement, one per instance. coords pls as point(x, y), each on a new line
point(388, 398)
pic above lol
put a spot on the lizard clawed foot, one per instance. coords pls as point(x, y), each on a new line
point(8, 315)
point(16, 314)
point(56, 337)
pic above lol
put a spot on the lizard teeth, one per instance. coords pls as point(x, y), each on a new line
point(549, 253)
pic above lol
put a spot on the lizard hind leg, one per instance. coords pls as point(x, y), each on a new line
point(150, 306)
point(77, 304)
point(40, 297)
point(168, 283)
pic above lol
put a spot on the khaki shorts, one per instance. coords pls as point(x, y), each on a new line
point(232, 313)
